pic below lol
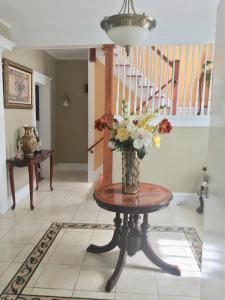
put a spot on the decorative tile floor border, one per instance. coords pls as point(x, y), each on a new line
point(15, 287)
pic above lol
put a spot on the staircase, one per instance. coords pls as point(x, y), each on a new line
point(177, 77)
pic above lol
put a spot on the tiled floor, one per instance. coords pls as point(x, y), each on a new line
point(60, 273)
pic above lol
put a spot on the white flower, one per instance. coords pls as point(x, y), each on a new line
point(118, 118)
point(111, 145)
point(141, 138)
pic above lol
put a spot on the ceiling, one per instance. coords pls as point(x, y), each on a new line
point(57, 23)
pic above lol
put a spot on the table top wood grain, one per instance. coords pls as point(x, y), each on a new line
point(149, 198)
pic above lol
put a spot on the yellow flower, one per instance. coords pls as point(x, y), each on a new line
point(144, 121)
point(149, 128)
point(156, 140)
point(122, 134)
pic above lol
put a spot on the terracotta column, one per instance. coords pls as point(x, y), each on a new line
point(107, 153)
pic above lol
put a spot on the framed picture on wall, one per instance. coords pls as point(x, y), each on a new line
point(17, 84)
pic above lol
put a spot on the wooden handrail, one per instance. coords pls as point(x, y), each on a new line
point(92, 147)
point(166, 59)
point(162, 87)
point(156, 93)
point(150, 98)
point(171, 64)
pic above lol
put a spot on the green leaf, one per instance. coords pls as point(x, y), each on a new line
point(141, 153)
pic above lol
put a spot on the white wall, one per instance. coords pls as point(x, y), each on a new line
point(177, 164)
point(213, 266)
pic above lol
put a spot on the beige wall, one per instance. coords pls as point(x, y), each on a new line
point(41, 62)
point(177, 164)
point(72, 122)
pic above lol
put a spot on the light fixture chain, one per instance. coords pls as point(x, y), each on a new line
point(122, 10)
point(127, 7)
point(132, 5)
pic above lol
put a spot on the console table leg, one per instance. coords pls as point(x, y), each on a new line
point(122, 257)
point(112, 244)
point(31, 182)
point(36, 175)
point(11, 180)
point(51, 171)
point(148, 251)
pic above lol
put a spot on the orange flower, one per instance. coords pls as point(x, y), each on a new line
point(165, 126)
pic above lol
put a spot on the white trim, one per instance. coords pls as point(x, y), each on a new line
point(190, 199)
point(96, 174)
point(71, 167)
point(91, 91)
point(41, 78)
point(45, 110)
point(186, 121)
point(20, 194)
point(5, 23)
point(65, 56)
point(5, 44)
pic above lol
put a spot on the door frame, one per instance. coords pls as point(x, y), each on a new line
point(5, 44)
point(44, 83)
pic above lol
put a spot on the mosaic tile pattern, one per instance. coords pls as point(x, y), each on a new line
point(14, 290)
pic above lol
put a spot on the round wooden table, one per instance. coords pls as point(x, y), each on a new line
point(130, 235)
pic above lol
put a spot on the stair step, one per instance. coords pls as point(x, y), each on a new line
point(122, 65)
point(131, 75)
point(146, 86)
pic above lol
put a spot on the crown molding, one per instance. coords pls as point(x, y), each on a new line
point(66, 57)
point(5, 23)
point(6, 44)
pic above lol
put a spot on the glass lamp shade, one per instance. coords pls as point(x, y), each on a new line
point(128, 29)
point(128, 35)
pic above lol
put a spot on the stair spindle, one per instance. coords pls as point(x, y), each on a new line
point(118, 80)
point(192, 80)
point(204, 80)
point(185, 79)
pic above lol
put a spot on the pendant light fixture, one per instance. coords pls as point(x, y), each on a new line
point(128, 28)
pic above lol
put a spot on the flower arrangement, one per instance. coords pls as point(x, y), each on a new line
point(135, 132)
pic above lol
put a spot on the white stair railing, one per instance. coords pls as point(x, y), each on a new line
point(178, 76)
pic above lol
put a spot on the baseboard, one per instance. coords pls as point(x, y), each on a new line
point(71, 167)
point(95, 175)
point(190, 199)
point(20, 194)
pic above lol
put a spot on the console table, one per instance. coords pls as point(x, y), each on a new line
point(131, 234)
point(32, 163)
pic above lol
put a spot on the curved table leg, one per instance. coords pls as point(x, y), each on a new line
point(116, 274)
point(122, 257)
point(106, 248)
point(148, 251)
point(113, 243)
point(36, 175)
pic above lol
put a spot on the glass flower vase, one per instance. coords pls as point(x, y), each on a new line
point(130, 172)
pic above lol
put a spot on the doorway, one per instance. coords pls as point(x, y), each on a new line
point(42, 114)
